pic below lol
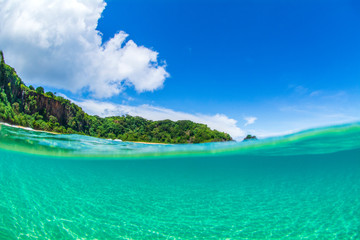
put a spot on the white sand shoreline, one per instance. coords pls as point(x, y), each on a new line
point(26, 128)
point(117, 140)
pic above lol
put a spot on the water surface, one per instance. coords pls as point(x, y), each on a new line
point(301, 186)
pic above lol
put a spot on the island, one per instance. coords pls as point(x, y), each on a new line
point(29, 107)
point(249, 138)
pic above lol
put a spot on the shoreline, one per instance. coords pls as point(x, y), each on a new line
point(55, 133)
point(27, 128)
point(152, 143)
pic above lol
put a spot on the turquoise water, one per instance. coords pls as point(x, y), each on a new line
point(301, 186)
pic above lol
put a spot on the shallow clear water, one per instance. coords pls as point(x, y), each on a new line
point(302, 186)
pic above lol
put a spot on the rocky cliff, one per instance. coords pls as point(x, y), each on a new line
point(34, 108)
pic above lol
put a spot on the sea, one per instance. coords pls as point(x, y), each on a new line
point(300, 186)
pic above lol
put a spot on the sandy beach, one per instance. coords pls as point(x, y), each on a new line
point(26, 128)
point(31, 129)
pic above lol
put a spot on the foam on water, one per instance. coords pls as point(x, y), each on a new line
point(301, 186)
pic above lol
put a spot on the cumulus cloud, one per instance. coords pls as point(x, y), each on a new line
point(219, 122)
point(250, 120)
point(55, 43)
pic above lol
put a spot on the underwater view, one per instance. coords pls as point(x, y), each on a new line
point(300, 186)
point(179, 119)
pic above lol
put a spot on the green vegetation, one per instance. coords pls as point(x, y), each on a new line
point(249, 137)
point(30, 107)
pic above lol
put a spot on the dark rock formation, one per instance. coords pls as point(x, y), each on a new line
point(249, 138)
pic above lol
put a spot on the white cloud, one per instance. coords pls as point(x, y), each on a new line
point(55, 43)
point(219, 122)
point(249, 120)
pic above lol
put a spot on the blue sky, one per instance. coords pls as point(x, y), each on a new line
point(290, 65)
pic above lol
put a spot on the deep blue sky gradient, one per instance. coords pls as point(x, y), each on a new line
point(292, 64)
